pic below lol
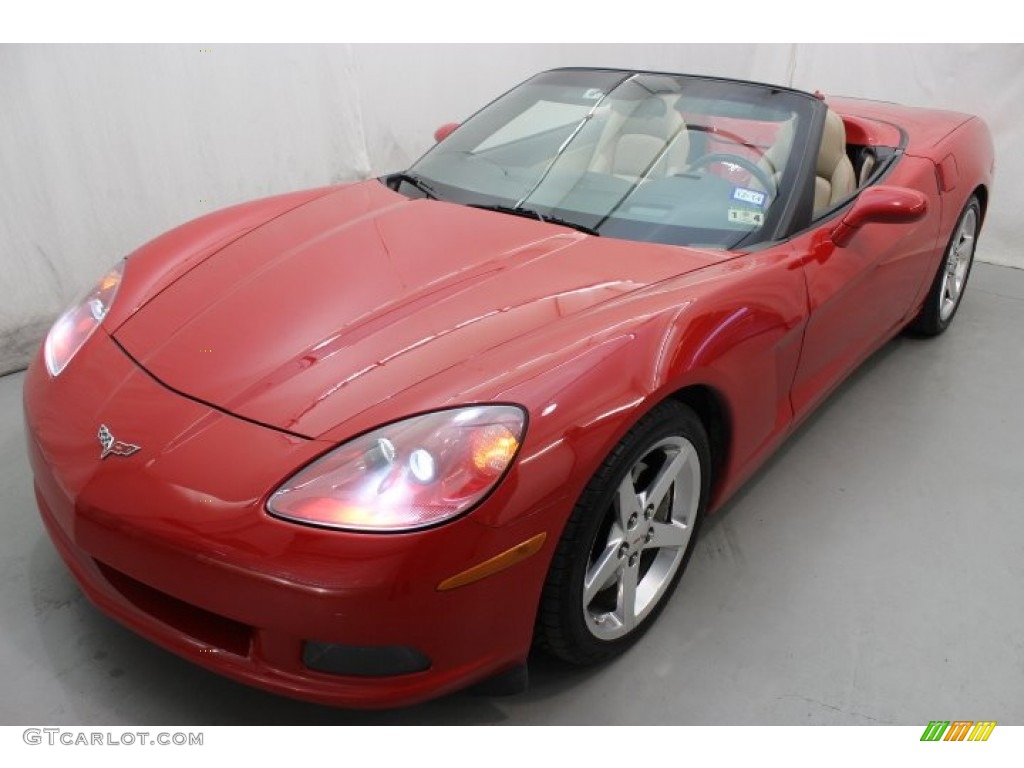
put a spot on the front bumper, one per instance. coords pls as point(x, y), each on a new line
point(174, 542)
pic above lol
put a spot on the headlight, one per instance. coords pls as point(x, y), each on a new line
point(76, 325)
point(410, 474)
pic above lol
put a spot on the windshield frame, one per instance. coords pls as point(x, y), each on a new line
point(791, 209)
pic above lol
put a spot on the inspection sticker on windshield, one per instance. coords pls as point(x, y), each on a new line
point(746, 216)
point(748, 196)
point(593, 94)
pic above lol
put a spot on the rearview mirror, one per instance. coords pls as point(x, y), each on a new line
point(884, 205)
point(444, 131)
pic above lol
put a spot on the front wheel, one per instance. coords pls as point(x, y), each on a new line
point(947, 288)
point(628, 539)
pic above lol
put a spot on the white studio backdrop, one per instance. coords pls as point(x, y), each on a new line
point(103, 147)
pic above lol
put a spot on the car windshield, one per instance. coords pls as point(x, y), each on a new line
point(662, 158)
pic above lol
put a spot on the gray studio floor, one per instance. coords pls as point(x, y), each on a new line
point(873, 572)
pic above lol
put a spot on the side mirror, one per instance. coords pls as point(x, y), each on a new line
point(884, 205)
point(444, 131)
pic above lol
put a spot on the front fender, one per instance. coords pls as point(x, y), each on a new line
point(734, 328)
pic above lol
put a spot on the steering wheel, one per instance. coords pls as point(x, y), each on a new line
point(767, 182)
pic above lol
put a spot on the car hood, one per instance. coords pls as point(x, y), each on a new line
point(343, 302)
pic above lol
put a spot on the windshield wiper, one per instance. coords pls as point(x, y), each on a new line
point(416, 181)
point(529, 213)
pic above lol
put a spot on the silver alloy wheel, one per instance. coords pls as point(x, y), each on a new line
point(643, 539)
point(958, 262)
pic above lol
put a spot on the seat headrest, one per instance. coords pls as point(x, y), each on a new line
point(833, 145)
point(651, 117)
point(651, 107)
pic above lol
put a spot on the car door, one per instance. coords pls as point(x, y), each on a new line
point(861, 294)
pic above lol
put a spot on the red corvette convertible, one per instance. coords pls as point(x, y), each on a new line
point(369, 444)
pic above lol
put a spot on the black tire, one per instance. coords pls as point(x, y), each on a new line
point(939, 307)
point(652, 454)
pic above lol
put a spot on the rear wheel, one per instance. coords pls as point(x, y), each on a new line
point(948, 286)
point(628, 539)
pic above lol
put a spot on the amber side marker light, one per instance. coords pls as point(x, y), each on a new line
point(496, 564)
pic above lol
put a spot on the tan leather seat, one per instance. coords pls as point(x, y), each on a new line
point(868, 164)
point(777, 155)
point(631, 143)
point(834, 178)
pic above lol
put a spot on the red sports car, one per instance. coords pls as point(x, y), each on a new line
point(369, 444)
